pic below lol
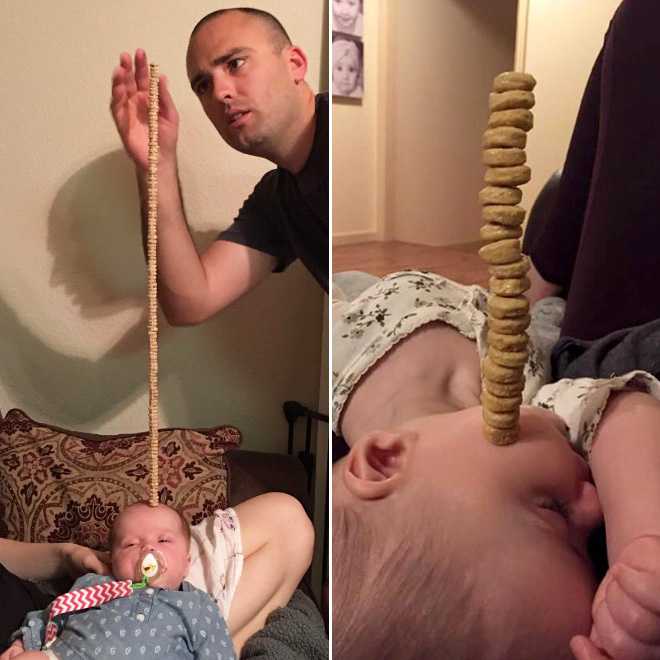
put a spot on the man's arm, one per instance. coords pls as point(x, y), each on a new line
point(191, 288)
point(44, 561)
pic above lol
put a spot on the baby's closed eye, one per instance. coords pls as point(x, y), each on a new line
point(556, 506)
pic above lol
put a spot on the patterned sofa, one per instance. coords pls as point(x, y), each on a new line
point(59, 485)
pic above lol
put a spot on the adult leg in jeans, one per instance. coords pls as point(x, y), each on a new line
point(601, 240)
point(17, 598)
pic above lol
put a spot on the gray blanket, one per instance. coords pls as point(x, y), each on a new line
point(613, 355)
point(294, 632)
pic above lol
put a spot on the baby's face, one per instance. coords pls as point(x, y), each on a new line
point(516, 518)
point(142, 529)
point(345, 74)
point(345, 13)
point(524, 512)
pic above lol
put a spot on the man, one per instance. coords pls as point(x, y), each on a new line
point(250, 81)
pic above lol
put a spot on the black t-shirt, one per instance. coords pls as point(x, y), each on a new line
point(286, 215)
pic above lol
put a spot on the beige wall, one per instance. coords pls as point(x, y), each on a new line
point(445, 57)
point(358, 147)
point(557, 45)
point(407, 164)
point(72, 291)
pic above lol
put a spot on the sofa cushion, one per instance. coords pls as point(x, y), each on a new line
point(58, 485)
point(252, 473)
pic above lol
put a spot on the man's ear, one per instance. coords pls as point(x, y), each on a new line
point(377, 464)
point(297, 63)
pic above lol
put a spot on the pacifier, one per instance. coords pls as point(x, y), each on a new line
point(151, 565)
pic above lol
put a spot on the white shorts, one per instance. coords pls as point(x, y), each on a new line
point(216, 550)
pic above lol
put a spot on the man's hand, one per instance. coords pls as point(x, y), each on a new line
point(79, 560)
point(15, 649)
point(130, 110)
point(626, 609)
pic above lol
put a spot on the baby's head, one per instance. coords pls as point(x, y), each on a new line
point(447, 546)
point(345, 13)
point(345, 64)
point(141, 529)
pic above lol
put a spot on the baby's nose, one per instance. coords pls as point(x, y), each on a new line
point(586, 513)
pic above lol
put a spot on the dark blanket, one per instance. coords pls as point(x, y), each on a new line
point(613, 355)
point(294, 632)
point(17, 598)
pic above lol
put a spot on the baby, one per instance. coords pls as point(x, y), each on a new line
point(168, 618)
point(347, 16)
point(346, 67)
point(447, 546)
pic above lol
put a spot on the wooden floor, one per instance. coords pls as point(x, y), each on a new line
point(461, 264)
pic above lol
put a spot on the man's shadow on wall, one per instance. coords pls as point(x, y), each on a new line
point(94, 236)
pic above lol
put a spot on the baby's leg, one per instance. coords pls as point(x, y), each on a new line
point(278, 540)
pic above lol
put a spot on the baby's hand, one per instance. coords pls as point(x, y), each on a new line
point(15, 649)
point(626, 609)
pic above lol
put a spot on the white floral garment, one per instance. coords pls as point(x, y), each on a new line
point(369, 326)
point(581, 402)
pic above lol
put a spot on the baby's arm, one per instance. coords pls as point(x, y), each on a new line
point(32, 633)
point(626, 608)
point(625, 463)
point(15, 649)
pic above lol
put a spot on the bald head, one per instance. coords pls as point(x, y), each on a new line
point(278, 35)
point(251, 84)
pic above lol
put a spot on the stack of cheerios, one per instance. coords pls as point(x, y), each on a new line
point(508, 307)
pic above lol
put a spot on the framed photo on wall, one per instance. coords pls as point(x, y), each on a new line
point(347, 67)
point(347, 17)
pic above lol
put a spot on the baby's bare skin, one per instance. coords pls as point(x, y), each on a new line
point(28, 655)
point(434, 370)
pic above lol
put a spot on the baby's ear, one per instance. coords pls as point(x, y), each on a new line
point(377, 463)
